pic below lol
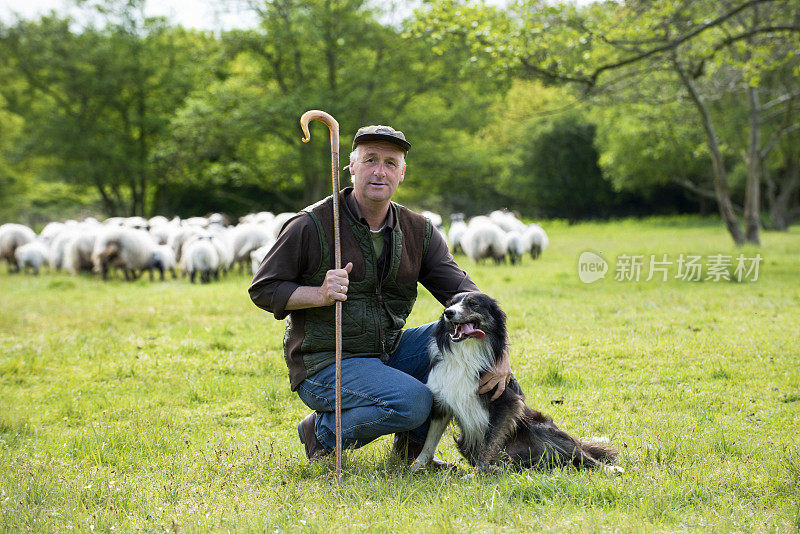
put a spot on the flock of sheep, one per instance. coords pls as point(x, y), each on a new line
point(206, 246)
point(498, 236)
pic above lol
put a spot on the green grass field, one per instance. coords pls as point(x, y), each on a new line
point(165, 406)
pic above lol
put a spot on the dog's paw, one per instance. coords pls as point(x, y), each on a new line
point(491, 469)
point(613, 469)
point(417, 466)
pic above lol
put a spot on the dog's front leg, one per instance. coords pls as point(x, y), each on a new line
point(435, 432)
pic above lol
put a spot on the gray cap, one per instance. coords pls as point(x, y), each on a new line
point(381, 133)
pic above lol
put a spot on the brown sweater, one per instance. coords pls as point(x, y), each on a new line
point(296, 255)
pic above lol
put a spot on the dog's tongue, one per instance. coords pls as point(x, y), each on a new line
point(469, 330)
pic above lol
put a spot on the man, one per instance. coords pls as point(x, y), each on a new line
point(387, 250)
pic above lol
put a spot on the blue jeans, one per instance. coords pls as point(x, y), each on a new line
point(378, 397)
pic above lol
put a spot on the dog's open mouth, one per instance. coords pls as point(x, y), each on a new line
point(462, 331)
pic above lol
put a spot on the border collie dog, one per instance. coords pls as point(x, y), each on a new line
point(468, 340)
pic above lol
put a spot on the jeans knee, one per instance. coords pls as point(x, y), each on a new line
point(414, 408)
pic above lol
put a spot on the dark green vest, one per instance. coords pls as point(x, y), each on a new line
point(375, 311)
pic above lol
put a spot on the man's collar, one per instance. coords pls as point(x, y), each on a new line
point(355, 210)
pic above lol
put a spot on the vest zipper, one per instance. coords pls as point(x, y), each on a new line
point(384, 356)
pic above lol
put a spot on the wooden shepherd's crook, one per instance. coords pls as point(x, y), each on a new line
point(323, 117)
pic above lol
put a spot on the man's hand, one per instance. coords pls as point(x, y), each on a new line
point(334, 287)
point(499, 375)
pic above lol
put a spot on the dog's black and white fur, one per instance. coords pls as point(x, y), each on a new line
point(468, 340)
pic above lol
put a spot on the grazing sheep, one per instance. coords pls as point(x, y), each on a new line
point(262, 217)
point(484, 239)
point(435, 218)
point(51, 231)
point(31, 255)
point(200, 256)
point(126, 248)
point(13, 236)
point(537, 239)
point(518, 245)
point(221, 239)
point(137, 223)
point(219, 220)
point(248, 237)
point(163, 259)
point(180, 236)
point(157, 220)
point(163, 231)
point(507, 221)
point(78, 250)
point(59, 245)
point(199, 222)
point(114, 221)
point(456, 232)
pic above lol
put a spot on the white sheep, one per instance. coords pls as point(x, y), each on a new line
point(51, 231)
point(161, 232)
point(137, 223)
point(457, 229)
point(79, 248)
point(157, 220)
point(163, 259)
point(262, 217)
point(507, 221)
point(222, 241)
point(180, 236)
point(200, 256)
point(537, 239)
point(484, 239)
point(518, 245)
point(13, 236)
point(435, 218)
point(199, 222)
point(31, 255)
point(114, 221)
point(245, 238)
point(219, 220)
point(126, 248)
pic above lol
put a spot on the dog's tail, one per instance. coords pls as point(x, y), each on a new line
point(600, 449)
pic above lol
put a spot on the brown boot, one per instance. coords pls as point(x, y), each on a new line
point(305, 429)
point(408, 450)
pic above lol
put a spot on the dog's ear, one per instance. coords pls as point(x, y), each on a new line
point(456, 298)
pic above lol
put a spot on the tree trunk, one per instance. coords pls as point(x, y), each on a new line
point(140, 194)
point(721, 187)
point(779, 202)
point(752, 194)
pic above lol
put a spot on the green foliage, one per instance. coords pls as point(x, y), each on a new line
point(95, 99)
point(558, 172)
point(644, 145)
point(134, 115)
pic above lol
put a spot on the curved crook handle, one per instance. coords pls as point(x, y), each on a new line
point(327, 119)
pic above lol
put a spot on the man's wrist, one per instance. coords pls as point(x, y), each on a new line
point(320, 296)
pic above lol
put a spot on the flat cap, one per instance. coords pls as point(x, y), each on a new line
point(381, 133)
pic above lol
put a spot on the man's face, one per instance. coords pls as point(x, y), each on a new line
point(377, 171)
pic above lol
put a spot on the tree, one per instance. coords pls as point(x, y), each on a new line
point(605, 47)
point(338, 57)
point(558, 171)
point(95, 99)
